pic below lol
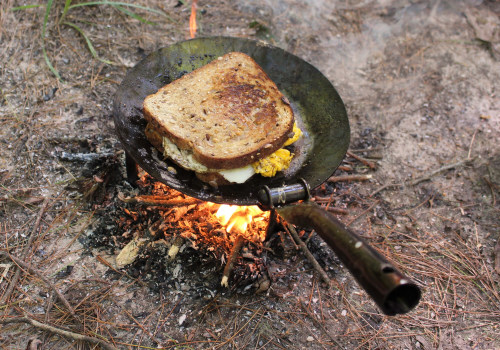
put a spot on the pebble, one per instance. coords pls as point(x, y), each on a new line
point(182, 319)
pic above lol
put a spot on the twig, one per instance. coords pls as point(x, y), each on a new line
point(62, 332)
point(5, 271)
point(363, 177)
point(363, 213)
point(471, 143)
point(27, 247)
point(84, 157)
point(319, 324)
point(386, 186)
point(490, 184)
point(104, 262)
point(366, 162)
point(337, 210)
point(41, 276)
point(309, 255)
point(235, 252)
point(425, 177)
point(141, 326)
point(437, 171)
point(361, 150)
point(48, 308)
point(159, 200)
point(497, 257)
point(345, 168)
point(328, 201)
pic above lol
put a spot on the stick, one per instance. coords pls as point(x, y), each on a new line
point(341, 178)
point(471, 143)
point(337, 210)
point(328, 201)
point(425, 177)
point(319, 324)
point(159, 200)
point(366, 162)
point(363, 213)
point(67, 334)
point(27, 247)
point(361, 150)
point(42, 277)
point(497, 257)
point(273, 217)
point(490, 184)
point(309, 255)
point(235, 252)
point(5, 271)
point(437, 171)
point(84, 157)
point(344, 168)
point(380, 189)
point(104, 262)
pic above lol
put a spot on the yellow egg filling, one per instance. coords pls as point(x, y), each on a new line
point(279, 160)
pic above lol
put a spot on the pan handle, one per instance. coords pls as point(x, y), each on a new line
point(390, 289)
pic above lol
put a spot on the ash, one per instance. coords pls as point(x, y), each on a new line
point(201, 244)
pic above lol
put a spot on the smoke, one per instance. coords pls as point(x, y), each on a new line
point(345, 38)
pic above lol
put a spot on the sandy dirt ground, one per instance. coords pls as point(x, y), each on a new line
point(420, 80)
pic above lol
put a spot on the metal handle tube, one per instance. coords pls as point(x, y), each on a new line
point(390, 289)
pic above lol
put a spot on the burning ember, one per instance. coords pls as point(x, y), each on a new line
point(192, 19)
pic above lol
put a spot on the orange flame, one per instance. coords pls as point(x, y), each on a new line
point(192, 19)
point(236, 219)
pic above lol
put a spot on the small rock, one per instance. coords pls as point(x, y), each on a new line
point(182, 319)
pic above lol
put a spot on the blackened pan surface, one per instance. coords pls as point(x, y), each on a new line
point(319, 111)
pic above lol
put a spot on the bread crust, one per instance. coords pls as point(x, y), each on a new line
point(229, 113)
point(154, 137)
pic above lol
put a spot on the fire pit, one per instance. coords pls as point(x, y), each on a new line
point(179, 224)
point(320, 113)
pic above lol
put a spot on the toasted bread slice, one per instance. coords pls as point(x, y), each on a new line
point(228, 113)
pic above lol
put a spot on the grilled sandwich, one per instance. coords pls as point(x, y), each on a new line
point(225, 121)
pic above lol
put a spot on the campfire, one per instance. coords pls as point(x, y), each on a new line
point(181, 223)
point(241, 220)
point(192, 19)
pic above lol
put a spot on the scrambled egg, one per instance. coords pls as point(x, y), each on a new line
point(279, 160)
point(296, 134)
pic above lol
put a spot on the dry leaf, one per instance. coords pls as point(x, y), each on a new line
point(129, 253)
